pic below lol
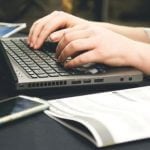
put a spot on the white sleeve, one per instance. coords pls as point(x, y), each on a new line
point(147, 31)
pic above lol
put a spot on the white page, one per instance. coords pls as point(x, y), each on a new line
point(141, 95)
point(122, 118)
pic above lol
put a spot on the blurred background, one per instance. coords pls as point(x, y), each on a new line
point(126, 12)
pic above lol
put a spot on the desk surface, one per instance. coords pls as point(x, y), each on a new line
point(39, 132)
point(42, 133)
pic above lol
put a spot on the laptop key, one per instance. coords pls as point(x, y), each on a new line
point(42, 75)
point(34, 76)
point(31, 73)
point(39, 72)
point(60, 70)
point(50, 71)
point(65, 74)
point(54, 75)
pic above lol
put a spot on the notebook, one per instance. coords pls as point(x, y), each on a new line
point(26, 68)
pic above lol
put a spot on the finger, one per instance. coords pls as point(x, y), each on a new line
point(84, 58)
point(76, 46)
point(56, 36)
point(58, 22)
point(39, 26)
point(31, 31)
point(70, 36)
point(35, 30)
point(40, 22)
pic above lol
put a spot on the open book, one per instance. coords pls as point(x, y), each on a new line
point(106, 118)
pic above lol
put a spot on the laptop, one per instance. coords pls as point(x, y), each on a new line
point(26, 68)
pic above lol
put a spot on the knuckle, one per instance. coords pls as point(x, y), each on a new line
point(55, 12)
point(41, 36)
point(61, 12)
point(73, 45)
point(46, 28)
point(64, 53)
point(80, 60)
point(66, 37)
point(37, 22)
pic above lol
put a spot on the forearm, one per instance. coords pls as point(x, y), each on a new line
point(135, 33)
point(139, 57)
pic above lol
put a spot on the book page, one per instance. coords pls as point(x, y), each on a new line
point(141, 95)
point(111, 117)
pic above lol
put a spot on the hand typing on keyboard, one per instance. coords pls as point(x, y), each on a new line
point(42, 63)
point(91, 42)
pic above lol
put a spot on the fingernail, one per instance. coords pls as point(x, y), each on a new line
point(35, 46)
point(53, 37)
point(31, 44)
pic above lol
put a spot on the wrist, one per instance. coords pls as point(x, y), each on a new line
point(100, 24)
point(139, 57)
point(147, 32)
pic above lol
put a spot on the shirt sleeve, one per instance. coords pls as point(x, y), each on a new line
point(147, 31)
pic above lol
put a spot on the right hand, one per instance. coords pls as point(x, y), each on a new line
point(57, 21)
point(93, 44)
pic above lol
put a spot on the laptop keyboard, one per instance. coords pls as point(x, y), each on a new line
point(42, 63)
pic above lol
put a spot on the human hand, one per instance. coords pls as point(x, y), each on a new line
point(57, 22)
point(92, 44)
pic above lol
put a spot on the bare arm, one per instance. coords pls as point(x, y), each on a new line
point(135, 33)
point(141, 61)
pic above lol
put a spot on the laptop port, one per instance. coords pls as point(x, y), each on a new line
point(87, 81)
point(76, 82)
point(37, 85)
point(21, 85)
point(122, 79)
point(53, 83)
point(41, 84)
point(57, 82)
point(49, 83)
point(130, 78)
point(98, 80)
